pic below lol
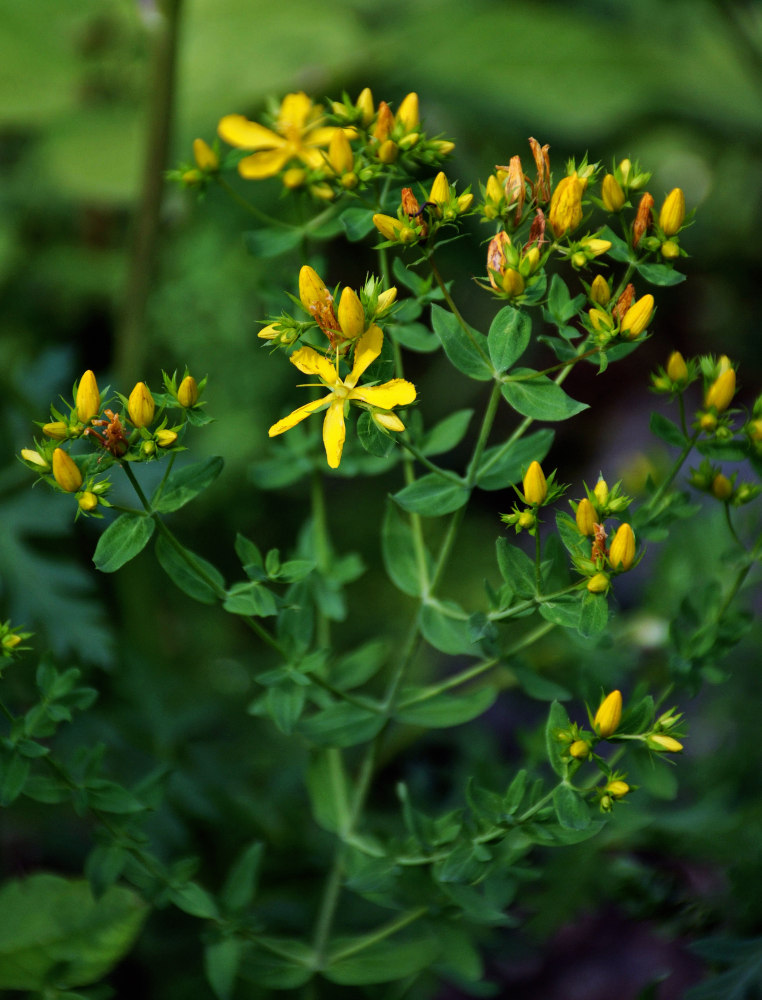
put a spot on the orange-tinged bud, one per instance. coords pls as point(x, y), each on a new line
point(672, 214)
point(565, 212)
point(56, 430)
point(637, 317)
point(585, 517)
point(622, 550)
point(187, 394)
point(364, 104)
point(600, 293)
point(720, 393)
point(579, 749)
point(205, 157)
point(642, 219)
point(87, 501)
point(166, 438)
point(496, 252)
point(88, 399)
point(351, 315)
point(340, 154)
point(609, 715)
point(542, 162)
point(722, 488)
point(612, 194)
point(440, 189)
point(65, 471)
point(617, 789)
point(598, 584)
point(384, 123)
point(657, 741)
point(388, 421)
point(407, 113)
point(534, 485)
point(140, 406)
point(676, 367)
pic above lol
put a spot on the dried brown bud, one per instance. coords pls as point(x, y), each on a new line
point(642, 219)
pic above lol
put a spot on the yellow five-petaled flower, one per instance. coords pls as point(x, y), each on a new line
point(397, 392)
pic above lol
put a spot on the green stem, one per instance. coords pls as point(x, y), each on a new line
point(322, 548)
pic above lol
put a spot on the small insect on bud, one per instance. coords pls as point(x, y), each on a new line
point(534, 485)
point(65, 471)
point(88, 399)
point(609, 715)
point(187, 394)
point(622, 550)
point(140, 405)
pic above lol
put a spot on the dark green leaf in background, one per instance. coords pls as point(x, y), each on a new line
point(467, 351)
point(122, 540)
point(186, 483)
point(508, 337)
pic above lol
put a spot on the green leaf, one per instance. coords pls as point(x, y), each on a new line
point(445, 632)
point(561, 306)
point(52, 923)
point(508, 337)
point(468, 353)
point(111, 797)
point(432, 496)
point(539, 687)
point(372, 438)
point(445, 435)
point(503, 464)
point(248, 552)
point(13, 779)
point(558, 722)
point(357, 222)
point(191, 898)
point(122, 540)
point(573, 540)
point(382, 961)
point(193, 575)
point(329, 791)
point(572, 810)
point(539, 397)
point(241, 883)
point(360, 665)
point(667, 430)
point(185, 484)
point(515, 794)
point(250, 599)
point(445, 710)
point(342, 725)
point(398, 549)
point(273, 241)
point(660, 274)
point(564, 612)
point(221, 961)
point(285, 703)
point(104, 864)
point(464, 864)
point(594, 615)
point(516, 568)
point(414, 336)
point(283, 965)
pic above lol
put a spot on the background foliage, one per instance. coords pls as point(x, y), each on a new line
point(676, 84)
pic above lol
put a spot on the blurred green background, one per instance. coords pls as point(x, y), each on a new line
point(677, 85)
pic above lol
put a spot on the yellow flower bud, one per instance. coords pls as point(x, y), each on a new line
point(364, 104)
point(625, 168)
point(440, 189)
point(57, 430)
point(527, 520)
point(88, 399)
point(565, 211)
point(388, 151)
point(579, 749)
point(392, 229)
point(720, 393)
point(612, 194)
point(535, 485)
point(148, 448)
point(351, 315)
point(464, 202)
point(657, 741)
point(585, 517)
point(637, 317)
point(140, 405)
point(722, 488)
point(294, 178)
point(598, 584)
point(389, 421)
point(596, 247)
point(724, 364)
point(269, 332)
point(34, 458)
point(340, 154)
point(205, 157)
point(65, 471)
point(708, 422)
point(672, 214)
point(87, 501)
point(600, 293)
point(530, 260)
point(670, 250)
point(187, 394)
point(622, 550)
point(601, 492)
point(609, 715)
point(10, 641)
point(600, 320)
point(408, 114)
point(512, 282)
point(494, 190)
point(443, 146)
point(166, 438)
point(617, 789)
point(676, 367)
point(385, 299)
point(753, 429)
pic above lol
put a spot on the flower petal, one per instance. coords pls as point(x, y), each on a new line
point(265, 163)
point(294, 112)
point(367, 350)
point(334, 432)
point(398, 392)
point(309, 361)
point(322, 135)
point(238, 131)
point(297, 416)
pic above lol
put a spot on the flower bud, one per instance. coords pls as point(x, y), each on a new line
point(617, 789)
point(351, 314)
point(140, 405)
point(394, 230)
point(580, 749)
point(565, 212)
point(527, 520)
point(598, 584)
point(622, 550)
point(642, 218)
point(294, 178)
point(670, 250)
point(601, 492)
point(637, 317)
point(148, 448)
point(166, 438)
point(720, 393)
point(187, 394)
point(676, 367)
point(512, 282)
point(270, 332)
point(65, 471)
point(612, 194)
point(721, 488)
point(10, 641)
point(34, 458)
point(443, 146)
point(753, 429)
point(668, 744)
point(600, 293)
point(205, 157)
point(387, 421)
point(340, 154)
point(87, 501)
point(609, 715)
point(88, 399)
point(595, 247)
point(464, 202)
point(585, 517)
point(408, 114)
point(364, 105)
point(672, 214)
point(535, 485)
point(388, 151)
point(56, 430)
point(440, 189)
point(385, 299)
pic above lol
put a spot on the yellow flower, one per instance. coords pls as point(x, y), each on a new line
point(622, 551)
point(205, 157)
point(565, 211)
point(672, 214)
point(397, 392)
point(609, 715)
point(140, 405)
point(65, 471)
point(88, 399)
point(534, 485)
point(298, 135)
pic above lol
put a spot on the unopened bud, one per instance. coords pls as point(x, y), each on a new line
point(676, 367)
point(667, 744)
point(670, 250)
point(56, 430)
point(637, 317)
point(527, 520)
point(65, 471)
point(580, 749)
point(720, 393)
point(617, 789)
point(600, 293)
point(387, 421)
point(721, 488)
point(609, 715)
point(88, 399)
point(388, 151)
point(340, 154)
point(535, 485)
point(294, 178)
point(87, 501)
point(598, 584)
point(351, 314)
point(187, 394)
point(672, 214)
point(612, 194)
point(364, 105)
point(140, 406)
point(601, 492)
point(34, 458)
point(408, 113)
point(205, 157)
point(622, 550)
point(166, 438)
point(585, 517)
